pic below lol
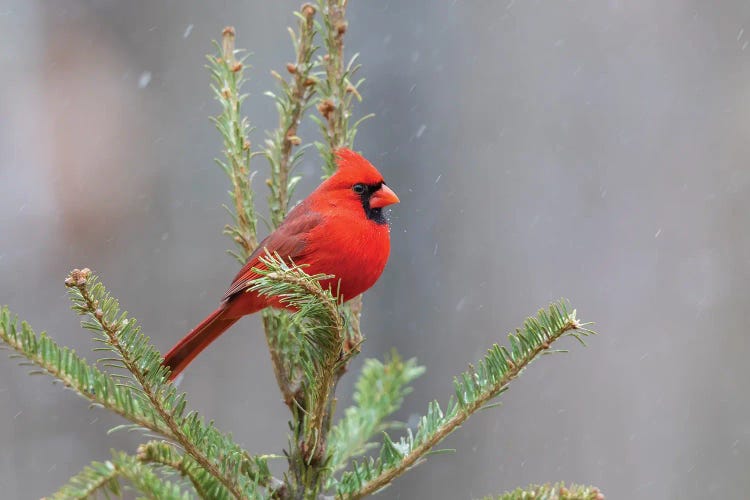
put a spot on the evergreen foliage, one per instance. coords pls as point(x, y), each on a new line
point(227, 75)
point(104, 477)
point(310, 349)
point(380, 391)
point(292, 101)
point(551, 492)
point(474, 389)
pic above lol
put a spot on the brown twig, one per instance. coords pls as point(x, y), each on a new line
point(290, 386)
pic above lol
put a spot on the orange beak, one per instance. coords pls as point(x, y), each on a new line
point(383, 197)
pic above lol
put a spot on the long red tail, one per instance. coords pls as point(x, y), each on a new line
point(198, 339)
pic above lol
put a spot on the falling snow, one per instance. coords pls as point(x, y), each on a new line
point(144, 79)
point(461, 303)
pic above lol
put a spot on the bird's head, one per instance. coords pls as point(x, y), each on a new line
point(357, 181)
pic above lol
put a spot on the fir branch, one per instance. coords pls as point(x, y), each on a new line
point(379, 391)
point(73, 371)
point(473, 391)
point(164, 454)
point(119, 396)
point(332, 103)
point(310, 348)
point(323, 335)
point(92, 479)
point(291, 104)
point(211, 450)
point(303, 292)
point(227, 75)
point(105, 477)
point(335, 88)
point(556, 491)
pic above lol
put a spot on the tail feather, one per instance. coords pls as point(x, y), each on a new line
point(198, 339)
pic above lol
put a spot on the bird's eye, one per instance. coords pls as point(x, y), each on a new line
point(358, 188)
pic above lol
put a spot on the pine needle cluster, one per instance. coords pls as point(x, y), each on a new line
point(187, 457)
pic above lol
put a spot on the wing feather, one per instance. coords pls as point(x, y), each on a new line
point(289, 240)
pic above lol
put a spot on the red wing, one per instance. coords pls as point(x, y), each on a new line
point(289, 241)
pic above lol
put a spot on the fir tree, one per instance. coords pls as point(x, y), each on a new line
point(187, 457)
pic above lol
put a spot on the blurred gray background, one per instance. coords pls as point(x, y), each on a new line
point(595, 150)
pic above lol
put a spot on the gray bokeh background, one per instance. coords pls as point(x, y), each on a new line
point(593, 150)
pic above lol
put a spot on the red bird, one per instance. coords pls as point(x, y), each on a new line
point(340, 229)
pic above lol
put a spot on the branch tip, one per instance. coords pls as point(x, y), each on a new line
point(308, 10)
point(78, 277)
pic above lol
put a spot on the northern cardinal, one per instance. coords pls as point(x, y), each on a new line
point(339, 229)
